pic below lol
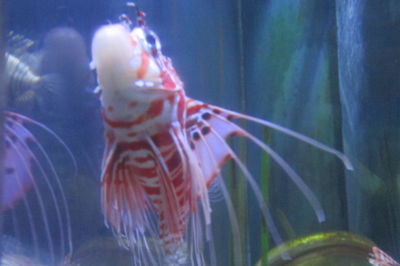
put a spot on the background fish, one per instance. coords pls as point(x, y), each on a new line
point(22, 79)
point(62, 52)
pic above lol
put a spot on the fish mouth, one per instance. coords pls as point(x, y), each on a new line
point(111, 45)
point(121, 61)
point(112, 52)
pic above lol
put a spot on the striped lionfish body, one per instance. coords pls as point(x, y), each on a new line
point(164, 150)
point(146, 167)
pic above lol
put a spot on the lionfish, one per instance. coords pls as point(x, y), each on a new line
point(164, 150)
point(379, 258)
point(28, 167)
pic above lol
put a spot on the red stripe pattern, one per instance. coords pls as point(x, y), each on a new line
point(144, 172)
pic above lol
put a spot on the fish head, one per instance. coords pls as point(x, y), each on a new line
point(126, 59)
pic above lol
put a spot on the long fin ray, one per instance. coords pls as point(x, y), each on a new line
point(113, 177)
point(20, 136)
point(213, 118)
point(40, 201)
point(51, 189)
point(25, 202)
point(200, 214)
point(48, 130)
point(228, 200)
point(232, 114)
point(15, 153)
point(168, 192)
point(377, 257)
point(127, 206)
point(254, 186)
point(291, 133)
point(198, 185)
point(307, 192)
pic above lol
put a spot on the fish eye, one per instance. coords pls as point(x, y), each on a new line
point(150, 39)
